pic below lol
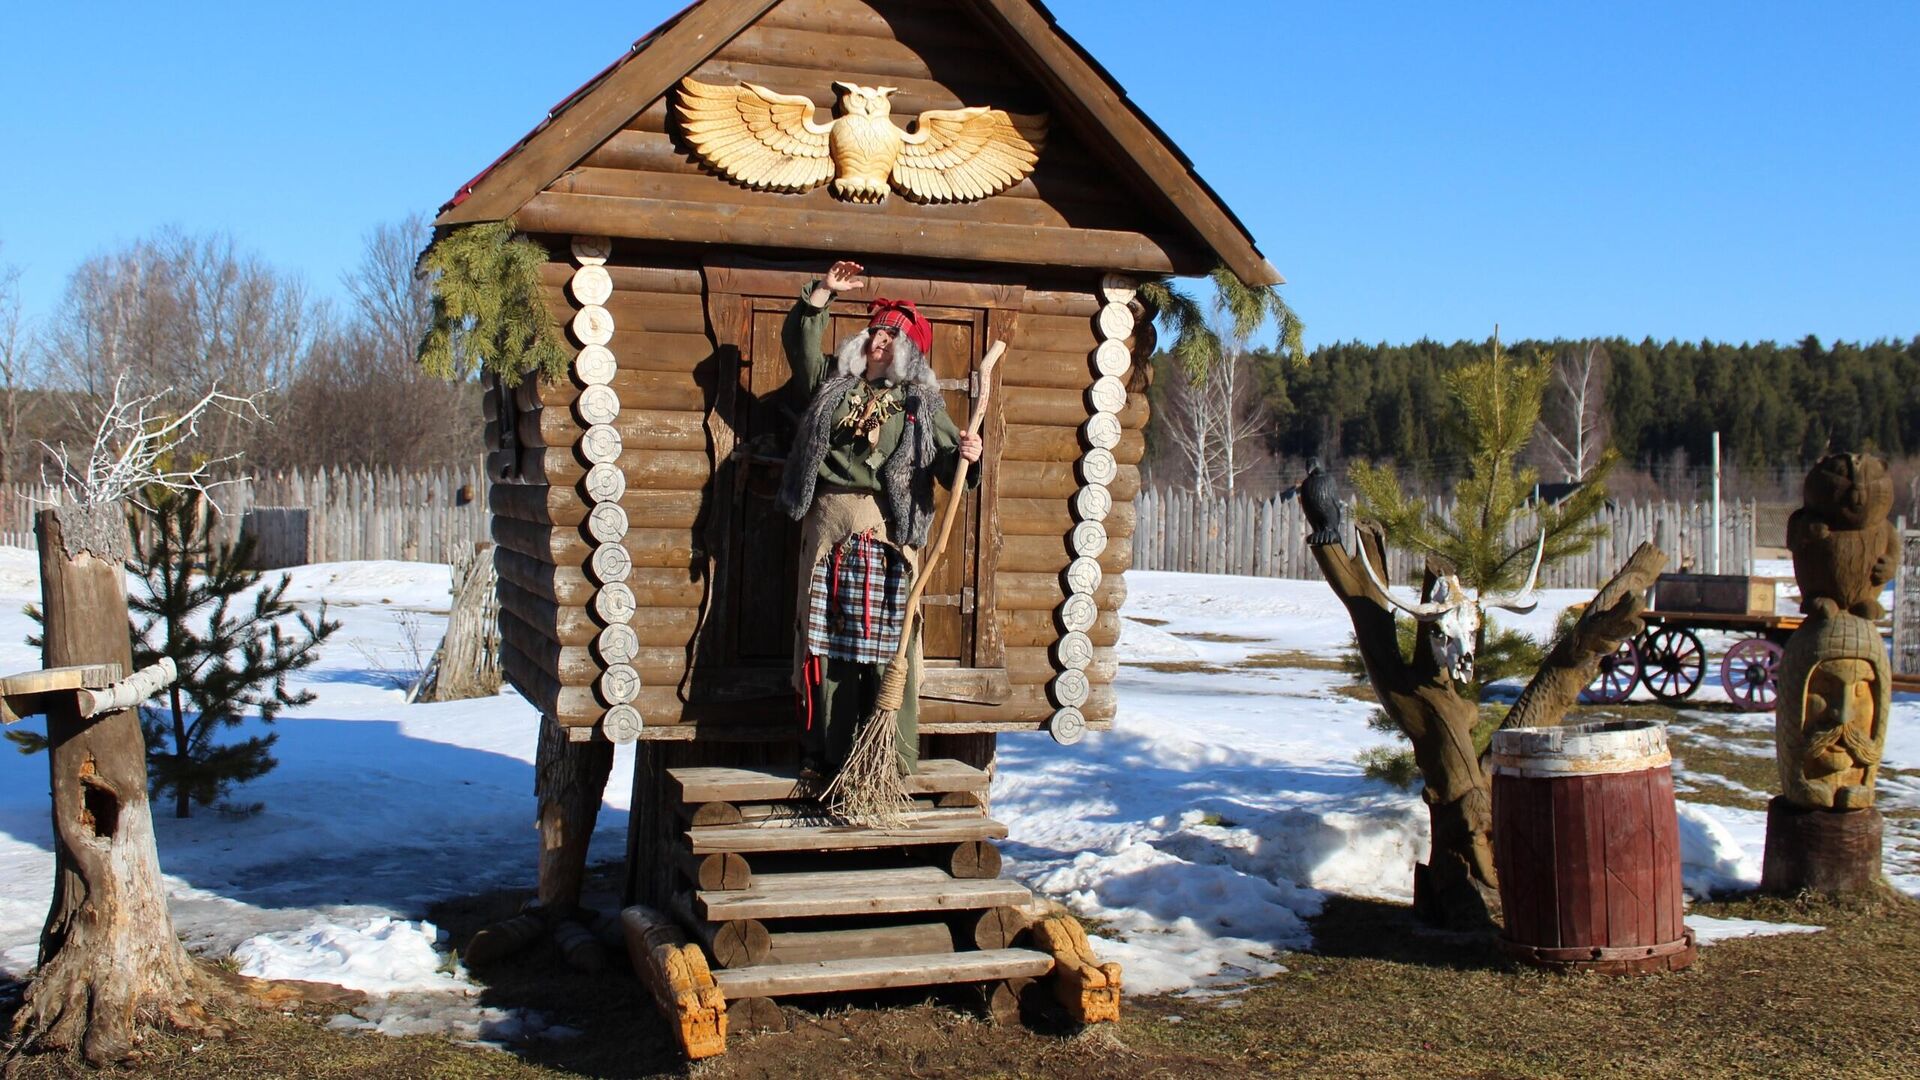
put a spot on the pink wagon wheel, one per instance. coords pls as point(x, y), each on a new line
point(1619, 673)
point(1748, 670)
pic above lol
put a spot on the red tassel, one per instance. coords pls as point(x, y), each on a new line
point(810, 680)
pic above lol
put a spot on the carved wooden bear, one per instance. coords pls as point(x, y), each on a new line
point(1843, 546)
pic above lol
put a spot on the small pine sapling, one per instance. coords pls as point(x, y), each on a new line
point(233, 650)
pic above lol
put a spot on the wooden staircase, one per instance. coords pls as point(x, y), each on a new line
point(781, 900)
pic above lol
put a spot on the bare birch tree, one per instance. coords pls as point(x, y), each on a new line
point(1215, 423)
point(1573, 420)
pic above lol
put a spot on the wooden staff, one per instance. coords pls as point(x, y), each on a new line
point(868, 789)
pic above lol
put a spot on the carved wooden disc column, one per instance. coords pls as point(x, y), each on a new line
point(598, 409)
point(1106, 398)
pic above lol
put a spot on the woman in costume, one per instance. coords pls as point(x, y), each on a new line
point(873, 436)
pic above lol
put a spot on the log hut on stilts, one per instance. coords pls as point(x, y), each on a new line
point(647, 576)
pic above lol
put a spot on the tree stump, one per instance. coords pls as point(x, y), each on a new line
point(109, 960)
point(1831, 852)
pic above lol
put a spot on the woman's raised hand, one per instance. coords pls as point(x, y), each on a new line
point(844, 276)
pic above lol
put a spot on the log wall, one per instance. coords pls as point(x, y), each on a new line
point(642, 182)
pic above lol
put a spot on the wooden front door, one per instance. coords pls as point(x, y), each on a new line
point(756, 572)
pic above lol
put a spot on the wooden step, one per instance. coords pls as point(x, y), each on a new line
point(858, 892)
point(926, 827)
point(721, 784)
point(880, 972)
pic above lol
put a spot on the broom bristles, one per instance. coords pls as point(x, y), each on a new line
point(868, 791)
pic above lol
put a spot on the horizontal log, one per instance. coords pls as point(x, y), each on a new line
point(570, 586)
point(652, 470)
point(567, 546)
point(1066, 408)
point(1044, 592)
point(1069, 370)
point(571, 625)
point(1033, 629)
point(1050, 334)
point(815, 946)
point(572, 666)
point(1080, 303)
point(1034, 442)
point(566, 506)
point(670, 177)
point(771, 226)
point(558, 426)
point(650, 278)
point(1054, 517)
point(1035, 665)
point(1050, 555)
point(1059, 480)
point(636, 312)
point(671, 390)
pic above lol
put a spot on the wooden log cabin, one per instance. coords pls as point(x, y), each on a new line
point(645, 574)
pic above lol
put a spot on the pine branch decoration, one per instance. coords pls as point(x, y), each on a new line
point(1195, 344)
point(489, 311)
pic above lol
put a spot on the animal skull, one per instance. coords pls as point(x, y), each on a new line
point(1456, 615)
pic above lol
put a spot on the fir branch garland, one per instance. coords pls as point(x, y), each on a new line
point(1195, 343)
point(489, 313)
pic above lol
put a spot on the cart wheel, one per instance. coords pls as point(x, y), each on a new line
point(1619, 673)
point(1672, 663)
point(1748, 670)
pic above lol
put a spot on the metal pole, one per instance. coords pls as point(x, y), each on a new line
point(1716, 502)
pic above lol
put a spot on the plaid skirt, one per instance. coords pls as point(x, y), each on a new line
point(857, 601)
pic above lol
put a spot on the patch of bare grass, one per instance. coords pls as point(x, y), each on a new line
point(1216, 638)
point(1177, 667)
point(1384, 998)
point(1293, 658)
point(1145, 620)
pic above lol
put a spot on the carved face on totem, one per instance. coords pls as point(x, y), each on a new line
point(1832, 718)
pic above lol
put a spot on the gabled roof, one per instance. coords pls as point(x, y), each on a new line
point(1025, 28)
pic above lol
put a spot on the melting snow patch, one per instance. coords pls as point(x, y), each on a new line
point(382, 956)
point(1709, 930)
point(1713, 858)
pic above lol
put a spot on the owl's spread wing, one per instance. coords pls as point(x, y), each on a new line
point(958, 155)
point(750, 134)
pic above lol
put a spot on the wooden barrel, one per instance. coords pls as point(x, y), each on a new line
point(1587, 844)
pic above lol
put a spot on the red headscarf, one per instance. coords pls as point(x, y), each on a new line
point(901, 317)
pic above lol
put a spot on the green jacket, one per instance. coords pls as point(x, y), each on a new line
point(851, 460)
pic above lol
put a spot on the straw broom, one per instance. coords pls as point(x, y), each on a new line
point(868, 791)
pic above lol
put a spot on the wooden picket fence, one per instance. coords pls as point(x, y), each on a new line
point(1267, 537)
point(347, 514)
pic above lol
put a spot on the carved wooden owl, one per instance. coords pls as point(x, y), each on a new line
point(770, 142)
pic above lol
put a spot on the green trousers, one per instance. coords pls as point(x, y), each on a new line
point(843, 701)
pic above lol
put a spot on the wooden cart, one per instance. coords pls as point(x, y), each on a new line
point(1669, 659)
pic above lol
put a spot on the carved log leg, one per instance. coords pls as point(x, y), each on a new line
point(1088, 989)
point(1832, 852)
point(682, 985)
point(569, 779)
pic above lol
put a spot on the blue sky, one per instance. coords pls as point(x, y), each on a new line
point(1732, 171)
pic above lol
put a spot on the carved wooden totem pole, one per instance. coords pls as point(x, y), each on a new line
point(1823, 831)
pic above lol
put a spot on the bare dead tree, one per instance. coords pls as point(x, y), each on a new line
point(109, 964)
point(1573, 417)
point(182, 313)
point(360, 398)
point(17, 402)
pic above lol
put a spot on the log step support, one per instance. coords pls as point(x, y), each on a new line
point(1088, 989)
point(682, 985)
point(922, 828)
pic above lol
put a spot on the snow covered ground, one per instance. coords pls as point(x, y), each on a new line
point(1201, 831)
